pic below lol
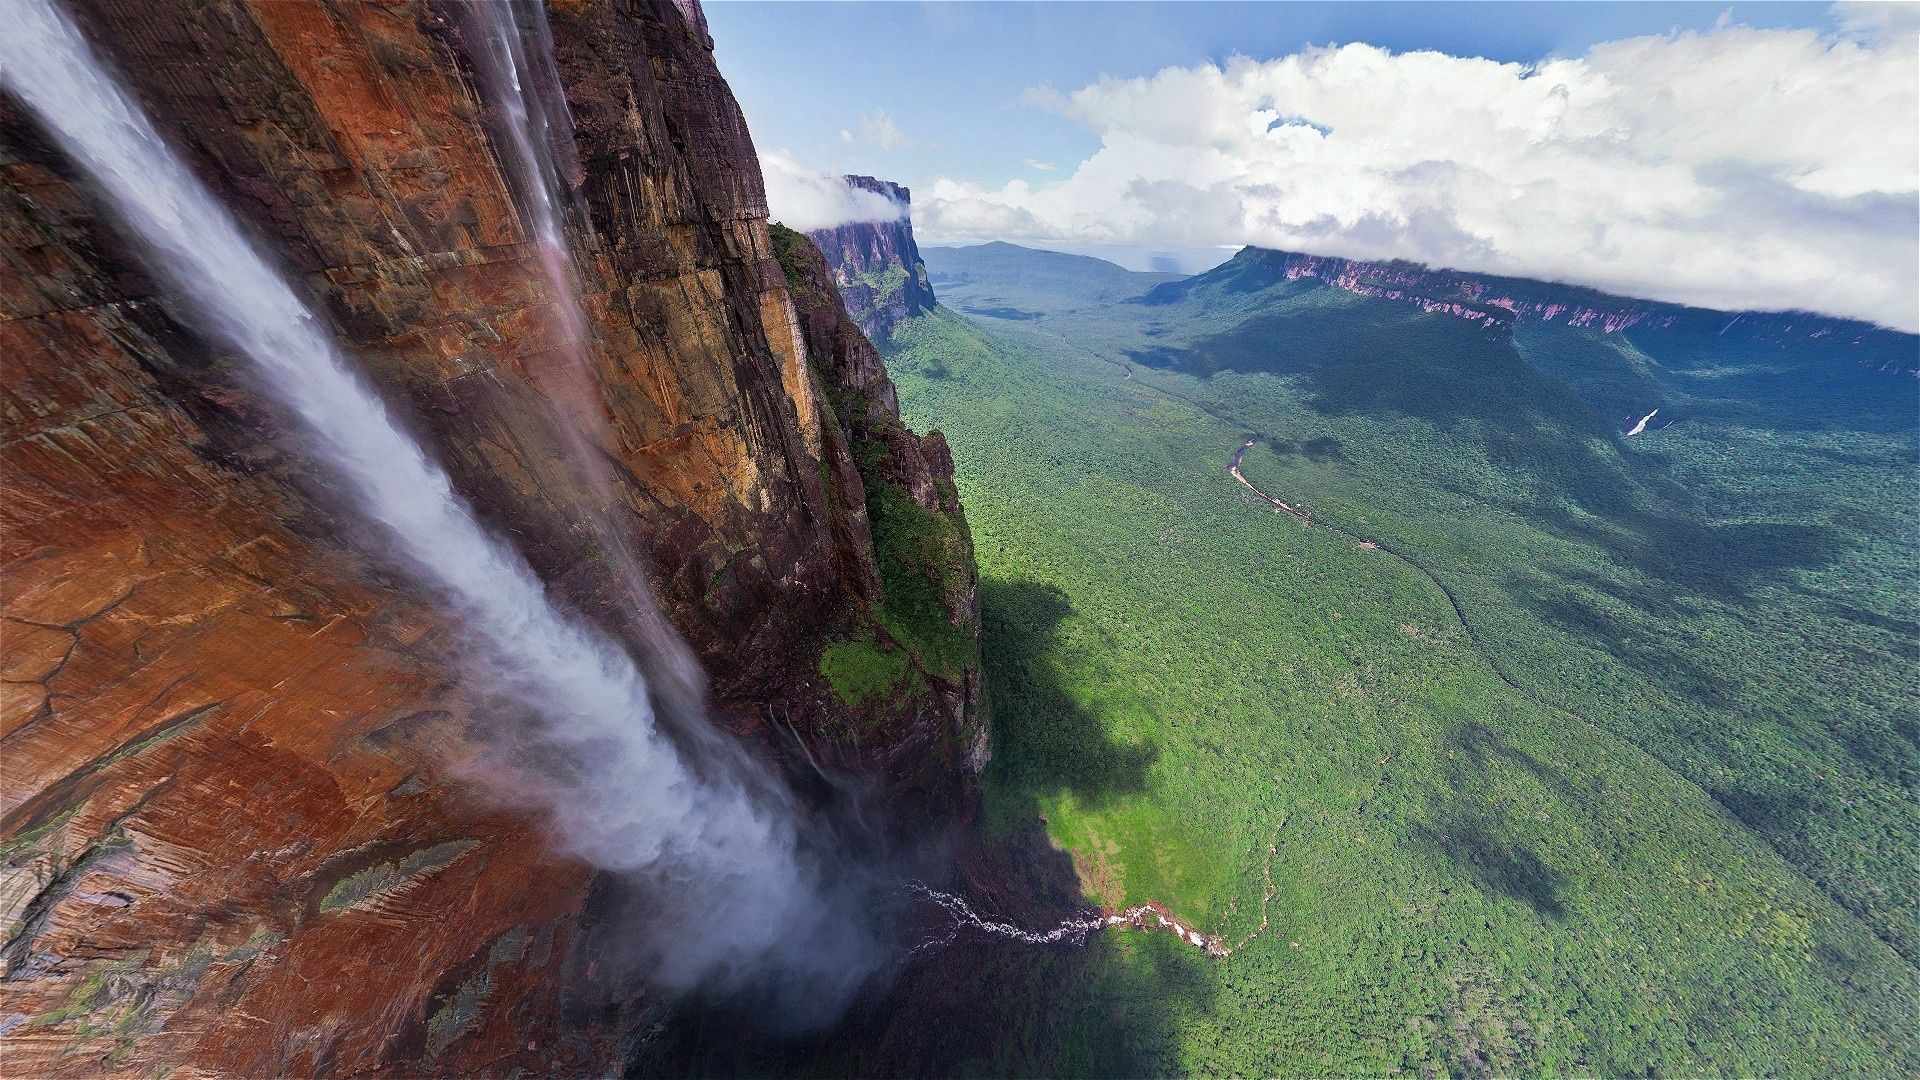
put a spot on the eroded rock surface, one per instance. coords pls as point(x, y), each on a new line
point(876, 265)
point(928, 605)
point(233, 838)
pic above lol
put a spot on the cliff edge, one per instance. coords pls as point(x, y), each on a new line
point(233, 839)
point(876, 265)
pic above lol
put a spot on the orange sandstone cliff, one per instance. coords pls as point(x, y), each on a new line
point(231, 841)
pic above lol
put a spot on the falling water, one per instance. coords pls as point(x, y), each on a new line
point(522, 86)
point(748, 902)
point(511, 47)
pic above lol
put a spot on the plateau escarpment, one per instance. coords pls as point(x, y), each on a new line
point(1502, 301)
point(240, 829)
point(925, 624)
point(876, 264)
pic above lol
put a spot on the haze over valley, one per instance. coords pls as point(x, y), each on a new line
point(563, 539)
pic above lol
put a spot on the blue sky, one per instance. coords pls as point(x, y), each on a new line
point(952, 76)
point(1762, 155)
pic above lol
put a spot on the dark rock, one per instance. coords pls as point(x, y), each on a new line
point(168, 554)
point(876, 264)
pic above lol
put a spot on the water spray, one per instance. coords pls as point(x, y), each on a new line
point(744, 905)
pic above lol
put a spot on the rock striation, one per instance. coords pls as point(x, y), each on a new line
point(876, 265)
point(1497, 302)
point(237, 836)
point(902, 490)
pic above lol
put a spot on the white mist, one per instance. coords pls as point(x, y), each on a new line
point(739, 901)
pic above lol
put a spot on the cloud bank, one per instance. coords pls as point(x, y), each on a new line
point(1736, 168)
point(804, 199)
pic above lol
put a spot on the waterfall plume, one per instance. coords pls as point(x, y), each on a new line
point(738, 900)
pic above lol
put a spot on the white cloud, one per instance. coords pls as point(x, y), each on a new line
point(846, 136)
point(881, 129)
point(1041, 166)
point(1736, 168)
point(804, 199)
point(1873, 18)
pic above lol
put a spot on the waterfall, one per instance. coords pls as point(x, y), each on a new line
point(511, 47)
point(738, 900)
point(523, 95)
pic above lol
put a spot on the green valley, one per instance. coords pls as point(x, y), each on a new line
point(1611, 773)
point(1509, 746)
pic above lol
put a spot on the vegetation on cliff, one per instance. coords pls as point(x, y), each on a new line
point(1482, 862)
point(924, 626)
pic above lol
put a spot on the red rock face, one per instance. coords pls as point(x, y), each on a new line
point(233, 839)
point(1500, 301)
point(876, 265)
point(1461, 295)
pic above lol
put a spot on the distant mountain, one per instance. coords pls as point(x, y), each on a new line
point(877, 265)
point(1007, 281)
point(1255, 276)
point(1517, 670)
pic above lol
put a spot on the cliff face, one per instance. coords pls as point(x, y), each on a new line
point(1498, 301)
point(876, 264)
point(230, 838)
point(925, 621)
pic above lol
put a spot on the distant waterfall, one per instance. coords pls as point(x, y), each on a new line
point(743, 900)
point(524, 88)
point(511, 48)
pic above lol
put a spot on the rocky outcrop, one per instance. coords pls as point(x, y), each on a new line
point(1467, 296)
point(876, 264)
point(1501, 301)
point(924, 620)
point(234, 837)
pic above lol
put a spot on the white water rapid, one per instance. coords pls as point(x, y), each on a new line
point(1073, 930)
point(742, 904)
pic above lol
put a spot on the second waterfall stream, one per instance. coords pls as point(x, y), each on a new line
point(746, 904)
point(742, 902)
